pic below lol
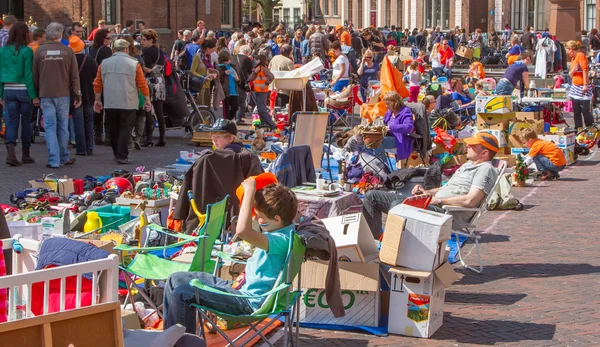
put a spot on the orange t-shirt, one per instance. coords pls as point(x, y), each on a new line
point(548, 150)
point(583, 68)
point(34, 46)
point(345, 38)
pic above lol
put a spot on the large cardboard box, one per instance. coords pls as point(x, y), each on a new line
point(456, 160)
point(509, 159)
point(569, 153)
point(529, 115)
point(417, 300)
point(500, 135)
point(498, 104)
point(415, 238)
point(494, 121)
point(465, 52)
point(413, 160)
point(514, 141)
point(460, 147)
point(353, 238)
point(130, 319)
point(562, 141)
point(360, 293)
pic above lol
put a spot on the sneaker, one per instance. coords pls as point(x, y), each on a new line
point(123, 161)
point(70, 161)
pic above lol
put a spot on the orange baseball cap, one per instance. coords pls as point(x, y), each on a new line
point(487, 140)
point(338, 27)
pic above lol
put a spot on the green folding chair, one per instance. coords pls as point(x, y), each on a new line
point(281, 301)
point(152, 267)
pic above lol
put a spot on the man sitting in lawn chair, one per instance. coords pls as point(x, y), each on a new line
point(471, 183)
point(275, 208)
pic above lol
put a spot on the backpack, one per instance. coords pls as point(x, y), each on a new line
point(266, 50)
point(183, 60)
point(275, 49)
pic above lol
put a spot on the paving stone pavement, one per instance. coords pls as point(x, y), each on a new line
point(100, 163)
point(540, 285)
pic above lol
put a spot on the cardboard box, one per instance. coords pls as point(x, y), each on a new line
point(108, 246)
point(500, 135)
point(498, 104)
point(494, 121)
point(458, 159)
point(569, 153)
point(413, 160)
point(514, 141)
point(417, 300)
point(130, 319)
point(509, 159)
point(529, 115)
point(353, 238)
point(63, 186)
point(415, 238)
point(360, 293)
point(562, 141)
point(465, 52)
point(405, 51)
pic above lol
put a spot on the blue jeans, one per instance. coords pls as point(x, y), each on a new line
point(544, 164)
point(83, 124)
point(179, 295)
point(56, 123)
point(504, 88)
point(18, 108)
point(376, 203)
point(263, 110)
point(340, 85)
point(436, 71)
point(448, 72)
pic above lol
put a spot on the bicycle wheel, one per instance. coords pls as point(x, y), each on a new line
point(203, 116)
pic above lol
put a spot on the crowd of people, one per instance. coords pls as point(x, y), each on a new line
point(233, 70)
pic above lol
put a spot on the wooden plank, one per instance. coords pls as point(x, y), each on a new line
point(47, 333)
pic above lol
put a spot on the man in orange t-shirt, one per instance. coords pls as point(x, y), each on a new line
point(446, 58)
point(548, 158)
point(39, 37)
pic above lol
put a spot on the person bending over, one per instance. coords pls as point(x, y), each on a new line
point(468, 187)
point(275, 207)
point(548, 158)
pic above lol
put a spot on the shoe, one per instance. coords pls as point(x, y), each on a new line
point(51, 167)
point(70, 161)
point(11, 156)
point(147, 144)
point(161, 143)
point(123, 161)
point(26, 158)
point(98, 141)
point(82, 154)
point(89, 152)
point(136, 145)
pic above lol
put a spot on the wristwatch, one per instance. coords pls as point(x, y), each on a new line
point(439, 201)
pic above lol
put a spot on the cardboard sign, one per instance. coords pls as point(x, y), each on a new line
point(353, 238)
point(417, 300)
point(415, 238)
point(498, 104)
point(360, 294)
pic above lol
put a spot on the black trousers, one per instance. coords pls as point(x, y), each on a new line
point(230, 106)
point(582, 107)
point(119, 123)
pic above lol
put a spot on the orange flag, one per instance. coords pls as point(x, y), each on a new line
point(391, 80)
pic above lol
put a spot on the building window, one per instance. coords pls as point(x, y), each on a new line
point(297, 15)
point(335, 8)
point(286, 15)
point(350, 4)
point(360, 14)
point(226, 12)
point(388, 13)
point(446, 22)
point(110, 11)
point(516, 18)
point(319, 9)
point(437, 21)
point(590, 14)
point(276, 15)
point(427, 8)
point(326, 7)
point(541, 15)
point(399, 8)
point(530, 10)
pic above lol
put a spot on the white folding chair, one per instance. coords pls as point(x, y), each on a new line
point(469, 229)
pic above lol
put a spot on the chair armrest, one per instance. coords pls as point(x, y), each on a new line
point(450, 208)
point(199, 285)
point(127, 248)
point(229, 257)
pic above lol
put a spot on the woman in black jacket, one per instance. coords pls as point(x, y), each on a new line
point(154, 67)
point(101, 50)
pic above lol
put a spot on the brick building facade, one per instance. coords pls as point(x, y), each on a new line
point(165, 16)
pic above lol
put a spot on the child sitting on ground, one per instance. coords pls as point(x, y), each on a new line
point(548, 158)
point(275, 208)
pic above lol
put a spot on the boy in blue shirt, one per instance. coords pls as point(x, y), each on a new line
point(275, 208)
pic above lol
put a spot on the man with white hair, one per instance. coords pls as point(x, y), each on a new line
point(120, 104)
point(56, 78)
point(244, 64)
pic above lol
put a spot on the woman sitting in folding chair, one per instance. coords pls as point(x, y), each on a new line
point(399, 119)
point(275, 208)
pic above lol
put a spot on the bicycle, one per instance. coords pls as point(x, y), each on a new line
point(199, 115)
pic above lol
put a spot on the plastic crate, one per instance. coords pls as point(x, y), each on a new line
point(110, 214)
